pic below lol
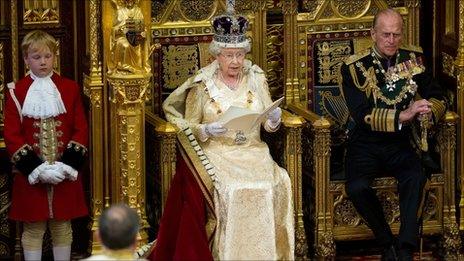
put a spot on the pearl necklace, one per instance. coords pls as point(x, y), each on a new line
point(234, 85)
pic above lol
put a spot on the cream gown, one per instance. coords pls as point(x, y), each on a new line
point(252, 197)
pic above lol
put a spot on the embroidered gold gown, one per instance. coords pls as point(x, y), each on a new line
point(252, 196)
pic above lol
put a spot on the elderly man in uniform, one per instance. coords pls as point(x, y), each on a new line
point(386, 88)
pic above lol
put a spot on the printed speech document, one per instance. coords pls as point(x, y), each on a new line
point(237, 118)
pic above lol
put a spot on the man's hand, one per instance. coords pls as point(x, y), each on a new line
point(420, 107)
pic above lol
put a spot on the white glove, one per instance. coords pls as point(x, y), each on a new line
point(274, 116)
point(214, 129)
point(68, 171)
point(33, 178)
point(51, 175)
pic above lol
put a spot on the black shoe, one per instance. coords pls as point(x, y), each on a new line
point(405, 254)
point(390, 254)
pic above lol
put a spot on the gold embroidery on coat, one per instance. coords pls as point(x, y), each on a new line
point(48, 141)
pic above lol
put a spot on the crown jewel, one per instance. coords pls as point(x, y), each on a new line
point(229, 28)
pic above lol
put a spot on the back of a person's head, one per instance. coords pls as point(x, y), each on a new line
point(36, 40)
point(118, 227)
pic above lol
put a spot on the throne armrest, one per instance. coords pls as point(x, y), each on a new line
point(164, 150)
point(320, 142)
point(451, 117)
point(447, 149)
point(301, 109)
point(292, 128)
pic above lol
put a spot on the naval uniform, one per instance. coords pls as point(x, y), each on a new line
point(376, 90)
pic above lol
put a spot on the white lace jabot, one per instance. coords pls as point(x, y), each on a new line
point(43, 100)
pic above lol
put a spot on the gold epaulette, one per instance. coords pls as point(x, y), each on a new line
point(355, 57)
point(412, 48)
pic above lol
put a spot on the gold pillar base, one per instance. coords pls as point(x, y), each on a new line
point(127, 138)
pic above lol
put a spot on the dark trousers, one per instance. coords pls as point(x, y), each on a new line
point(366, 161)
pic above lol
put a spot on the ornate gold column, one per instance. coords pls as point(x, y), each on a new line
point(15, 75)
point(459, 66)
point(413, 21)
point(127, 50)
point(166, 133)
point(290, 11)
point(324, 242)
point(14, 39)
point(293, 163)
point(259, 33)
point(93, 88)
point(447, 145)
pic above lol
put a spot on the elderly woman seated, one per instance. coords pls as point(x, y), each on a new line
point(240, 204)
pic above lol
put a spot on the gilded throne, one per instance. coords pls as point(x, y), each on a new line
point(326, 34)
point(318, 35)
point(183, 49)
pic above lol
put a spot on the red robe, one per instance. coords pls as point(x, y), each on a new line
point(29, 202)
point(182, 234)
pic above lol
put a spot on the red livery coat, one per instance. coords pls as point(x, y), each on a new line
point(29, 202)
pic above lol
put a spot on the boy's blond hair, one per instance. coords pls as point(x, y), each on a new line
point(37, 40)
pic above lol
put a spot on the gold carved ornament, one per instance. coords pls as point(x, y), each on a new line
point(41, 12)
point(390, 204)
point(129, 48)
point(158, 8)
point(129, 91)
point(326, 245)
point(452, 242)
point(4, 204)
point(350, 8)
point(275, 63)
point(448, 65)
point(311, 6)
point(126, 3)
point(344, 212)
point(273, 4)
point(196, 10)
